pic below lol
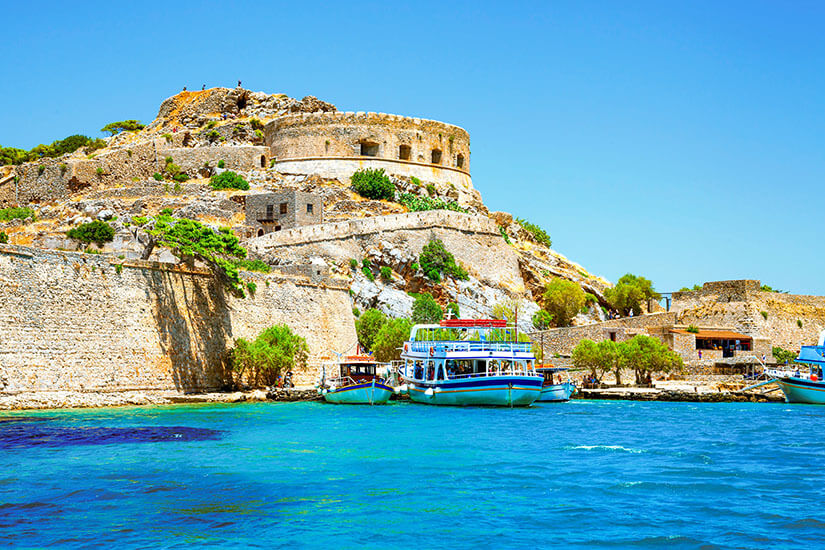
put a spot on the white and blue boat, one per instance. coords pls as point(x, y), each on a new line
point(357, 382)
point(552, 389)
point(804, 387)
point(469, 362)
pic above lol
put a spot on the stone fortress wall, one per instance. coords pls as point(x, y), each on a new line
point(336, 144)
point(394, 222)
point(77, 322)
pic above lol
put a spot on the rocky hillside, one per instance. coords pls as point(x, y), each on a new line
point(199, 134)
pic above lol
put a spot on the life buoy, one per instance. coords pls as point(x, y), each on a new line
point(814, 378)
point(432, 351)
point(406, 347)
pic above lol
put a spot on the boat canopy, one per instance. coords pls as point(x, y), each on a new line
point(812, 354)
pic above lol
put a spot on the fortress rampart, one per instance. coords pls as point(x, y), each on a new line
point(394, 222)
point(77, 322)
point(336, 144)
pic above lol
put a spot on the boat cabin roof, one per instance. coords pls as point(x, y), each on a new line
point(814, 355)
point(550, 368)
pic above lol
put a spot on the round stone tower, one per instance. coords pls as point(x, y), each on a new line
point(336, 144)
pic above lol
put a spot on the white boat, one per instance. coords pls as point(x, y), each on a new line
point(357, 381)
point(799, 386)
point(469, 362)
point(553, 389)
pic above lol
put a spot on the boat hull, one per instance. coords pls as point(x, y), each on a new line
point(799, 390)
point(557, 392)
point(502, 391)
point(360, 394)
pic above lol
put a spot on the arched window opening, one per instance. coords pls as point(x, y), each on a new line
point(263, 161)
point(260, 232)
point(404, 152)
point(459, 161)
point(436, 157)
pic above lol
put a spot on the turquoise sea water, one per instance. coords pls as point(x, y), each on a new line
point(583, 474)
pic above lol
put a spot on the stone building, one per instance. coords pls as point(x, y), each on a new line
point(723, 319)
point(336, 144)
point(267, 212)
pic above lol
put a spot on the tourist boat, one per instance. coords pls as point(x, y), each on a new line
point(357, 381)
point(803, 387)
point(469, 362)
point(552, 390)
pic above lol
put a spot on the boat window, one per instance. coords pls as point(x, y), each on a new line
point(430, 370)
point(439, 375)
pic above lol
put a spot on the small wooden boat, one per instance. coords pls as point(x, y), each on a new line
point(553, 388)
point(356, 382)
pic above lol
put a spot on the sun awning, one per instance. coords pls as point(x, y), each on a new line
point(812, 354)
point(715, 334)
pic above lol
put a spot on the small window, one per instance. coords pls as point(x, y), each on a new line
point(283, 208)
point(309, 208)
point(404, 152)
point(260, 232)
point(369, 149)
point(436, 157)
point(459, 161)
point(270, 211)
point(277, 228)
point(263, 161)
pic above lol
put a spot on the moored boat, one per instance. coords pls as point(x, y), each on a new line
point(469, 362)
point(553, 389)
point(356, 382)
point(804, 387)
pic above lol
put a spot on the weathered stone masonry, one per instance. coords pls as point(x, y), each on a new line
point(71, 322)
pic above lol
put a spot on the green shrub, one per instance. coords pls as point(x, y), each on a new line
point(590, 299)
point(221, 163)
point(180, 178)
point(368, 273)
point(373, 184)
point(276, 350)
point(16, 213)
point(436, 261)
point(259, 134)
point(539, 234)
point(4, 239)
point(426, 310)
point(390, 339)
point(693, 329)
point(254, 265)
point(93, 232)
point(368, 325)
point(764, 315)
point(63, 169)
point(386, 273)
point(256, 124)
point(168, 138)
point(356, 312)
point(118, 268)
point(563, 299)
point(177, 187)
point(542, 320)
point(353, 264)
point(211, 124)
point(157, 176)
point(431, 189)
point(40, 170)
point(799, 323)
point(130, 125)
point(90, 250)
point(416, 181)
point(452, 307)
point(414, 266)
point(228, 180)
point(784, 356)
point(212, 135)
point(414, 203)
point(252, 287)
point(99, 171)
point(504, 234)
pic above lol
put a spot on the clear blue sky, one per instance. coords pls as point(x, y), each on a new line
point(681, 141)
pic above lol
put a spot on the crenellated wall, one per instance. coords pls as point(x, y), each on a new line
point(78, 322)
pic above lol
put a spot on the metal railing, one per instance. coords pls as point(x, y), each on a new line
point(440, 346)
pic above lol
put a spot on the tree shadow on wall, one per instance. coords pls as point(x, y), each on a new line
point(194, 328)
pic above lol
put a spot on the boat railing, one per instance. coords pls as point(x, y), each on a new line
point(503, 372)
point(342, 381)
point(789, 372)
point(441, 346)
